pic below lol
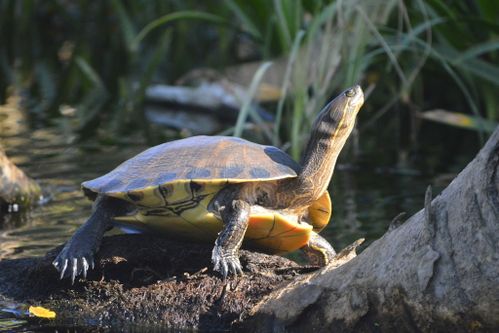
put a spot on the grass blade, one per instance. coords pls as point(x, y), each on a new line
point(245, 107)
point(181, 15)
point(126, 24)
point(90, 73)
point(247, 22)
point(283, 26)
point(384, 44)
point(477, 50)
point(285, 85)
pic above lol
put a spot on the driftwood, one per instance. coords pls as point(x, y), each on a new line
point(438, 271)
point(202, 109)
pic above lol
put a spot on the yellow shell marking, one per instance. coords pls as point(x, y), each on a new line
point(180, 210)
point(319, 213)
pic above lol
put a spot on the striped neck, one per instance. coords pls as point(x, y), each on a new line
point(329, 134)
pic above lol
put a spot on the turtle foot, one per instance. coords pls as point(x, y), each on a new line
point(225, 262)
point(74, 260)
point(77, 256)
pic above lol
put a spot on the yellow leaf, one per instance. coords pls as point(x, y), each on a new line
point(457, 119)
point(41, 312)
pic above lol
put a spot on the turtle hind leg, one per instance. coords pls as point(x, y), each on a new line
point(77, 256)
point(225, 255)
point(318, 250)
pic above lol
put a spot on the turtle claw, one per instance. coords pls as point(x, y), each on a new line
point(72, 263)
point(77, 256)
point(224, 269)
point(85, 267)
point(225, 263)
point(63, 269)
point(235, 267)
point(74, 270)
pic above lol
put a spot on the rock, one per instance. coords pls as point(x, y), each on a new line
point(15, 187)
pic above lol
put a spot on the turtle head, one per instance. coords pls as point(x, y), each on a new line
point(335, 122)
point(329, 133)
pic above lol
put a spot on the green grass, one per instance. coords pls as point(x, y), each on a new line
point(410, 56)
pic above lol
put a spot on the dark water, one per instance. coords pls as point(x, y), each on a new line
point(367, 193)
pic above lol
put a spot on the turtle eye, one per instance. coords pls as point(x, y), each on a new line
point(350, 92)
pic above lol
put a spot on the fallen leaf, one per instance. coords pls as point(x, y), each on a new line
point(41, 312)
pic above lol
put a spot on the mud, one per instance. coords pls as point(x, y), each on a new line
point(143, 280)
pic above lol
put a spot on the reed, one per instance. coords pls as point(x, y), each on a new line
point(413, 56)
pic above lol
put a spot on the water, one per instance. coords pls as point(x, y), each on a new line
point(59, 166)
point(366, 196)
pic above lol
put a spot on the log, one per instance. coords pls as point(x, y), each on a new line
point(438, 271)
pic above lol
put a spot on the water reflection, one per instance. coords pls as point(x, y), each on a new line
point(59, 169)
point(59, 166)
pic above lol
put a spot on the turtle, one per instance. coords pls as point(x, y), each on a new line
point(223, 190)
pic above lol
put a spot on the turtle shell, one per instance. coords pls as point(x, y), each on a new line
point(173, 184)
point(205, 159)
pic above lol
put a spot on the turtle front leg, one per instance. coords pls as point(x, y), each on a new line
point(77, 256)
point(318, 250)
point(225, 255)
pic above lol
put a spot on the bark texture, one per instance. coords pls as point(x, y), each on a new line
point(438, 271)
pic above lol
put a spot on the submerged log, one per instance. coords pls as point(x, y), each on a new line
point(438, 271)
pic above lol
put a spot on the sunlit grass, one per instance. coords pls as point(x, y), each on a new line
point(417, 55)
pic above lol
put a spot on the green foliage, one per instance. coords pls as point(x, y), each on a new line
point(246, 106)
point(100, 56)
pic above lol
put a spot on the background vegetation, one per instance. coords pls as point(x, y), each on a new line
point(410, 57)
